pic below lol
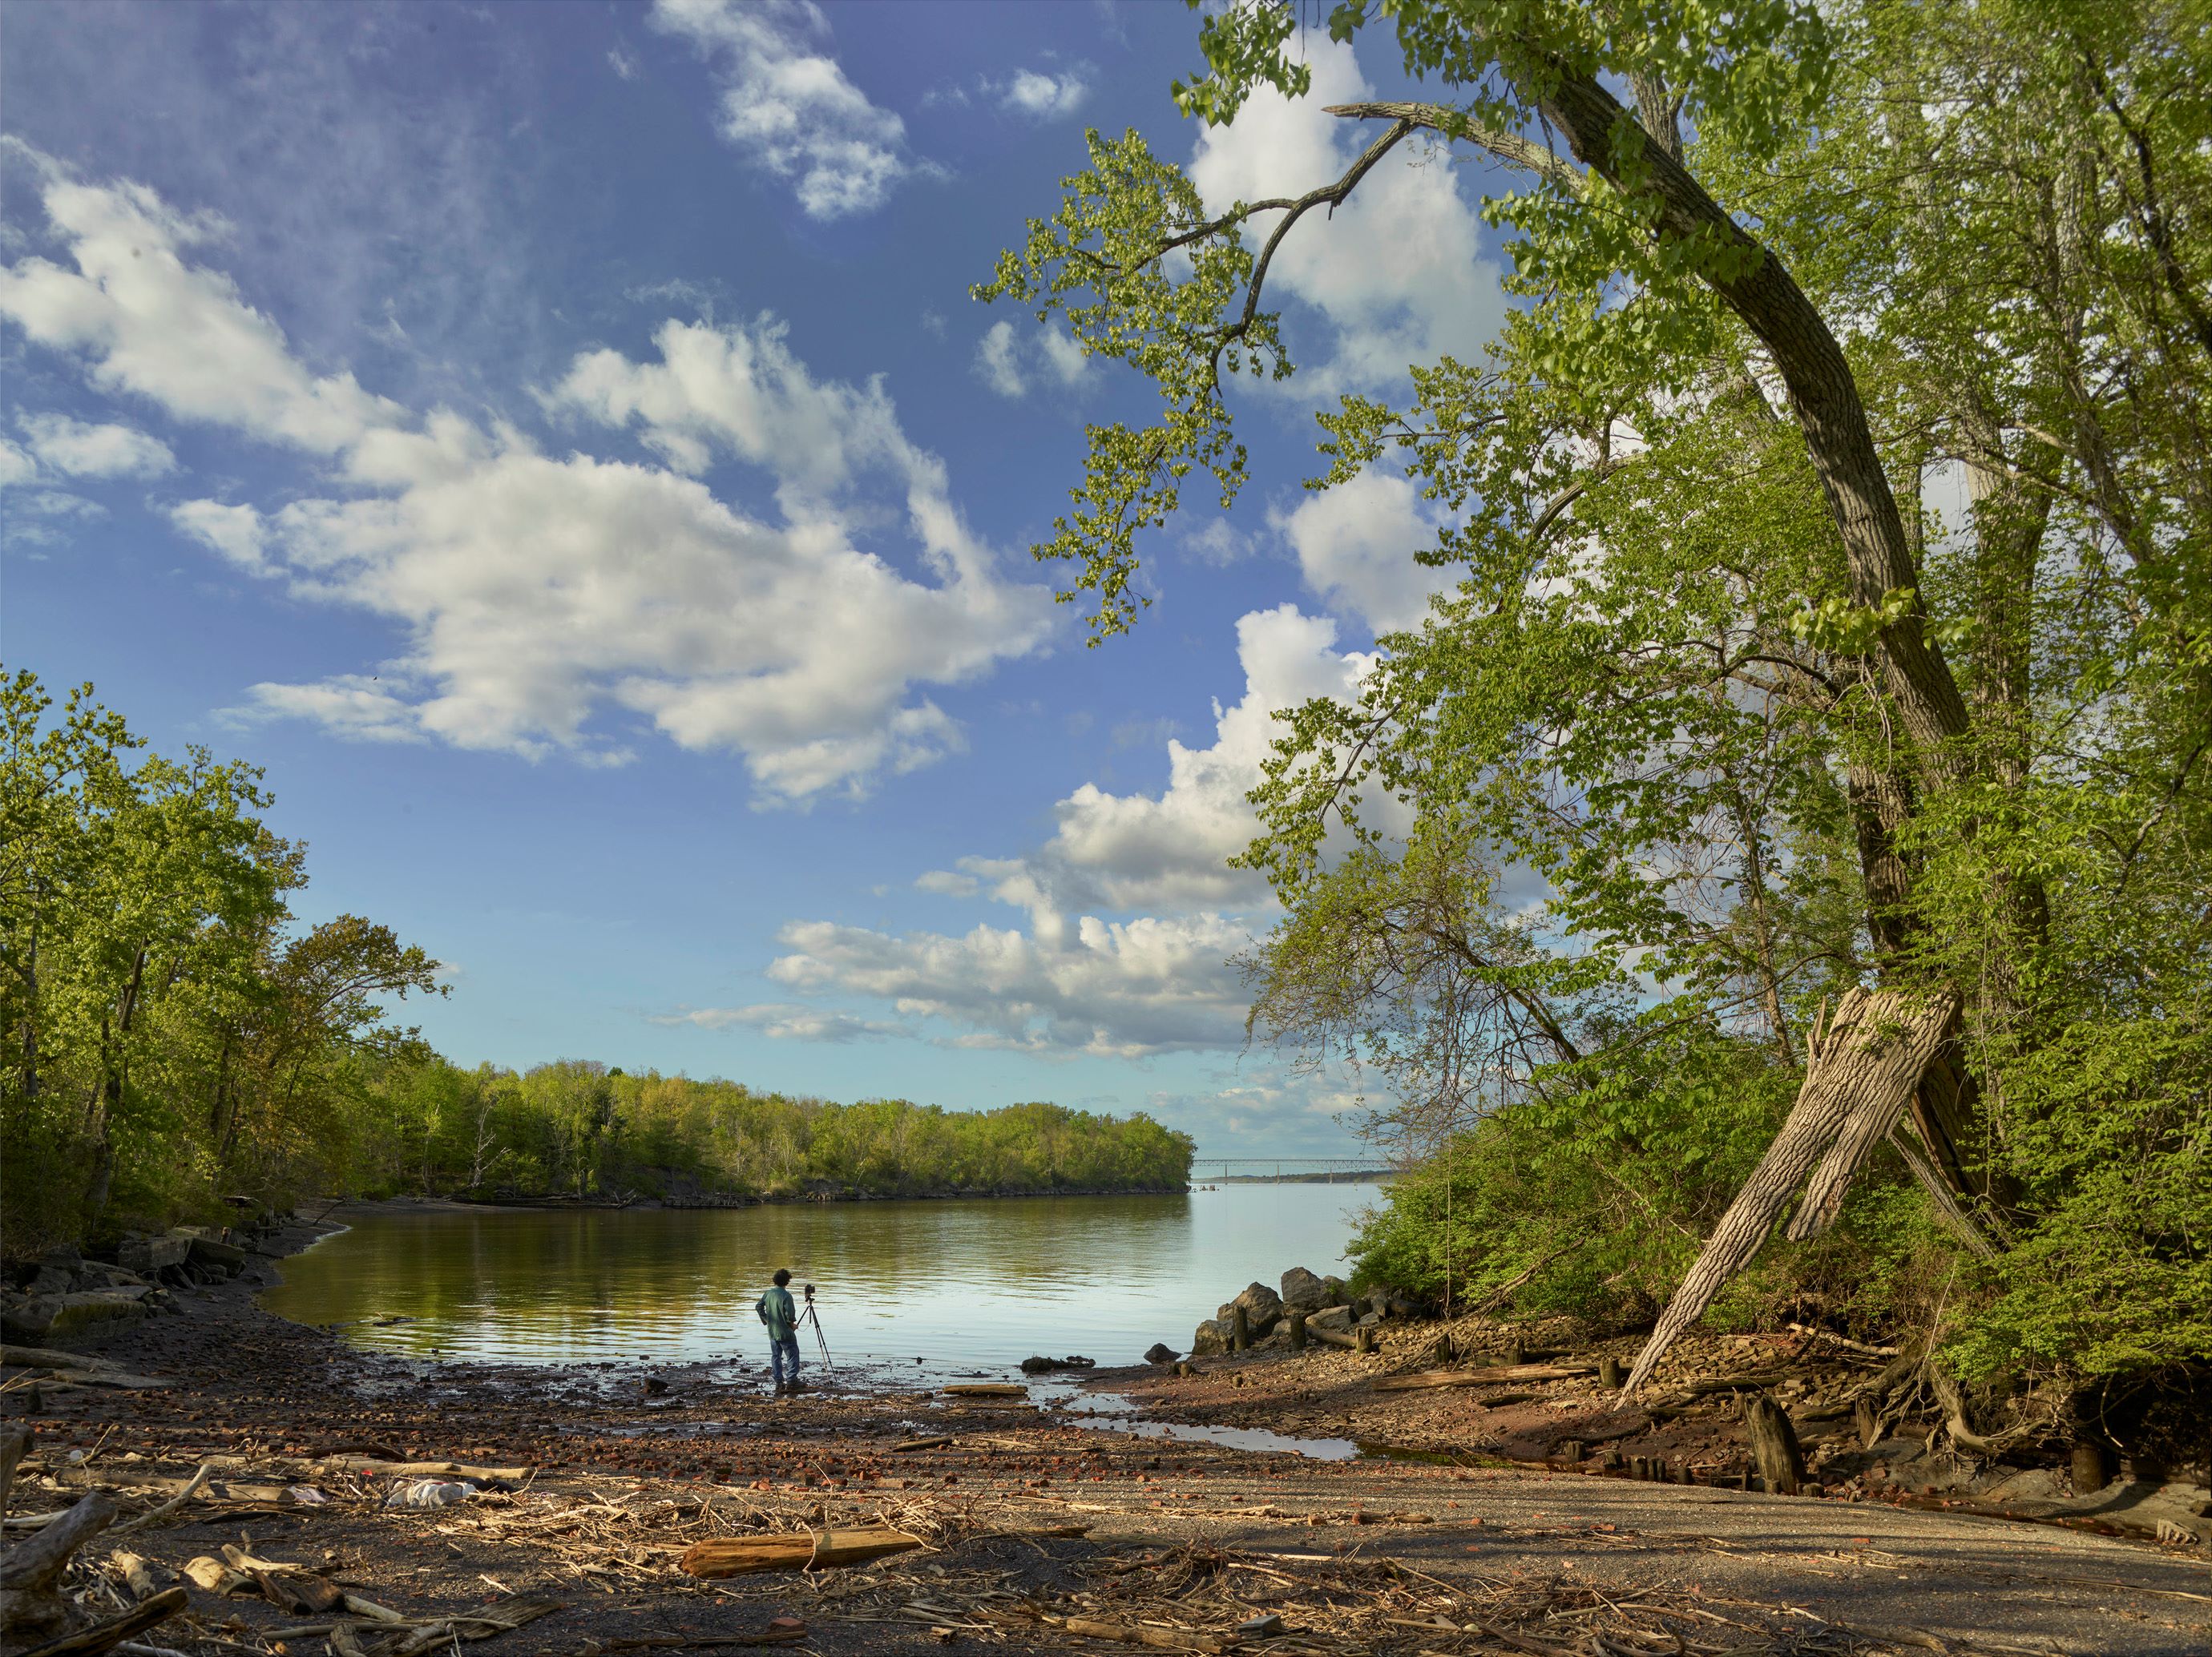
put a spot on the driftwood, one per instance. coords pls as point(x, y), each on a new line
point(422, 1469)
point(1146, 1634)
point(106, 1636)
point(1774, 1445)
point(738, 1555)
point(29, 1603)
point(137, 1575)
point(1864, 1069)
point(1332, 1337)
point(13, 1443)
point(1506, 1372)
point(986, 1389)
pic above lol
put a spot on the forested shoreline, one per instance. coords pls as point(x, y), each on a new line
point(176, 1038)
point(1821, 549)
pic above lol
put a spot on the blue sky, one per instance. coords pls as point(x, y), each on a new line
point(555, 441)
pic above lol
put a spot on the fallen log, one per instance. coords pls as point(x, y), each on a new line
point(52, 1358)
point(1145, 1633)
point(30, 1602)
point(986, 1389)
point(740, 1555)
point(1860, 1074)
point(1343, 1337)
point(106, 1636)
point(1427, 1378)
point(906, 1445)
point(423, 1469)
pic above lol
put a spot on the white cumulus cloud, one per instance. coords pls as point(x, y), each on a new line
point(1398, 272)
point(1355, 545)
point(1076, 979)
point(1040, 95)
point(1010, 360)
point(788, 107)
point(79, 448)
point(536, 596)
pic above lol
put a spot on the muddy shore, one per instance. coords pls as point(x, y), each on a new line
point(1449, 1554)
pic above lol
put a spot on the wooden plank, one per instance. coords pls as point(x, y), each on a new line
point(740, 1555)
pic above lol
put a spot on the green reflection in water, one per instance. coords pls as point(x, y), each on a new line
point(952, 1283)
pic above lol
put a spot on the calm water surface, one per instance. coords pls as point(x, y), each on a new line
point(961, 1285)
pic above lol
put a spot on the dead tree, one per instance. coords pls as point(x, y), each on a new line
point(1860, 1075)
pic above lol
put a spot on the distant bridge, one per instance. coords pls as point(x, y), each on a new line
point(1281, 1167)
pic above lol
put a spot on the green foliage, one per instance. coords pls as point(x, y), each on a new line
point(173, 1039)
point(1667, 685)
point(579, 1129)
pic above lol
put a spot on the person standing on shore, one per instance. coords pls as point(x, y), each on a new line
point(781, 1318)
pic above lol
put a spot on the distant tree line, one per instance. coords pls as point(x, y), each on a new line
point(174, 1037)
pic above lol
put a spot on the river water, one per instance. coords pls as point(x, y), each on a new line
point(961, 1285)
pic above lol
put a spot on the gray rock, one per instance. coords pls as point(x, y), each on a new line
point(149, 1255)
point(1338, 1318)
point(1263, 1308)
point(26, 1319)
point(1302, 1291)
point(1209, 1339)
point(1339, 1292)
point(97, 1306)
point(1161, 1352)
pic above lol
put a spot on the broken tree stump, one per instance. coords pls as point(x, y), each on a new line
point(13, 1443)
point(106, 1636)
point(1608, 1373)
point(2092, 1464)
point(30, 1604)
point(1774, 1444)
point(1298, 1332)
point(740, 1555)
point(1240, 1329)
point(1363, 1339)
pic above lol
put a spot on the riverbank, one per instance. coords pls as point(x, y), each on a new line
point(623, 1466)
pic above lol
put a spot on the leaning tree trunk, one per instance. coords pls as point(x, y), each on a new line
point(1862, 1072)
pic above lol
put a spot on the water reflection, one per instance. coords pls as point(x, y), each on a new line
point(981, 1283)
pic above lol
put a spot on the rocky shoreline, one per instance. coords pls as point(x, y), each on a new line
point(1803, 1412)
point(271, 1464)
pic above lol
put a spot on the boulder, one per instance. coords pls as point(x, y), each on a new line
point(149, 1256)
point(1209, 1339)
point(1041, 1365)
point(96, 1306)
point(24, 1319)
point(1161, 1352)
point(216, 1256)
point(1302, 1291)
point(1263, 1308)
point(1338, 1318)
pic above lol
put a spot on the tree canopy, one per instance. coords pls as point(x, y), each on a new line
point(1829, 523)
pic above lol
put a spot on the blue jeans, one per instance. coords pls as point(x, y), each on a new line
point(782, 1352)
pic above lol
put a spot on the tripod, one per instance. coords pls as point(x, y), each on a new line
point(810, 1315)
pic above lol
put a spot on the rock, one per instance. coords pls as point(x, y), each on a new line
point(1263, 1308)
point(1161, 1352)
point(99, 1274)
point(1038, 1366)
point(24, 1319)
point(147, 1255)
point(97, 1306)
point(1209, 1339)
point(1338, 1318)
point(218, 1256)
point(1302, 1291)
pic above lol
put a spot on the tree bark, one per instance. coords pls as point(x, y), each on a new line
point(29, 1602)
point(1868, 1061)
point(1774, 1445)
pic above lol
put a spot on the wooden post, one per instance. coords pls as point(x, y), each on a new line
point(1774, 1445)
point(2093, 1467)
point(1364, 1338)
point(1240, 1330)
point(1298, 1332)
point(1608, 1373)
point(13, 1443)
point(1868, 1420)
point(1516, 1353)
